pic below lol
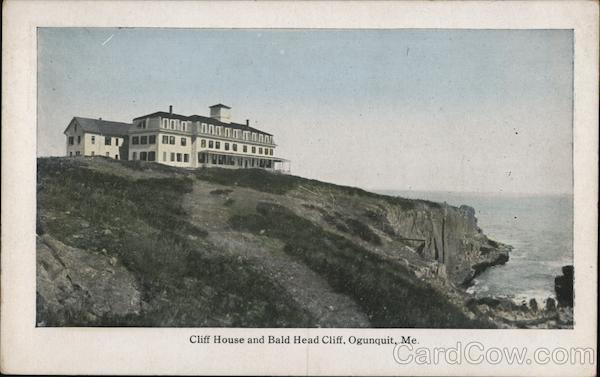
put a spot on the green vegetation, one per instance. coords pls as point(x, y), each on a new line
point(186, 280)
point(386, 291)
point(363, 231)
point(256, 179)
point(183, 279)
point(280, 184)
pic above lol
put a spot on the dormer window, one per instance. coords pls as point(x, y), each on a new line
point(260, 138)
point(219, 130)
point(228, 132)
point(165, 123)
point(211, 129)
point(253, 136)
point(172, 124)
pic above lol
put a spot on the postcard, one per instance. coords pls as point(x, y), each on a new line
point(293, 188)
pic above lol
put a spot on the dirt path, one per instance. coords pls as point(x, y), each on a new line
point(310, 291)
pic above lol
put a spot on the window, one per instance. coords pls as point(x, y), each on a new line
point(93, 139)
point(152, 139)
point(203, 143)
point(107, 140)
point(201, 158)
point(245, 149)
point(236, 134)
point(211, 128)
point(219, 130)
point(78, 139)
point(217, 145)
point(172, 124)
point(134, 156)
point(172, 156)
point(183, 141)
point(178, 157)
point(253, 136)
point(203, 128)
point(71, 154)
point(143, 156)
point(116, 141)
point(183, 125)
point(253, 149)
point(226, 146)
point(234, 147)
point(210, 144)
point(186, 157)
point(151, 156)
point(228, 132)
point(165, 123)
point(141, 124)
point(165, 139)
point(164, 156)
point(260, 151)
point(135, 140)
point(221, 160)
point(71, 140)
point(144, 140)
point(260, 138)
point(214, 159)
point(271, 151)
point(77, 153)
point(116, 157)
point(93, 153)
point(172, 140)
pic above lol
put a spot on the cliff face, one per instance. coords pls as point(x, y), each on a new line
point(124, 243)
point(450, 236)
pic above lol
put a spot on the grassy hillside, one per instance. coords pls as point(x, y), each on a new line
point(244, 248)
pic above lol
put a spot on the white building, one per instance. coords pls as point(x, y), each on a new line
point(97, 137)
point(180, 140)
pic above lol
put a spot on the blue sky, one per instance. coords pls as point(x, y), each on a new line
point(455, 110)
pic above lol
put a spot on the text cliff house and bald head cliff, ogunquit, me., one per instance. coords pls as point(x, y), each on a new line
point(177, 140)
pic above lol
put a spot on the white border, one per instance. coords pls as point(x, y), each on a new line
point(26, 349)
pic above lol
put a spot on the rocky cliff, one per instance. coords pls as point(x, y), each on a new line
point(124, 243)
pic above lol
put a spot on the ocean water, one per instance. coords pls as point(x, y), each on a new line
point(540, 228)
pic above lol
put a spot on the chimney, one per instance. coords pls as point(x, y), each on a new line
point(170, 109)
point(248, 122)
point(220, 112)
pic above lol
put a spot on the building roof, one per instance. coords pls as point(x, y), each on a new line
point(203, 119)
point(219, 105)
point(104, 127)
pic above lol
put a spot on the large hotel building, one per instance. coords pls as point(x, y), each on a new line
point(177, 140)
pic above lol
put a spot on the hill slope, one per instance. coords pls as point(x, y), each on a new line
point(142, 244)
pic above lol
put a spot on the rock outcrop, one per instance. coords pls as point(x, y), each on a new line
point(563, 286)
point(450, 236)
point(76, 287)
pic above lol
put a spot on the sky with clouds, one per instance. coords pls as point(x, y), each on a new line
point(442, 110)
